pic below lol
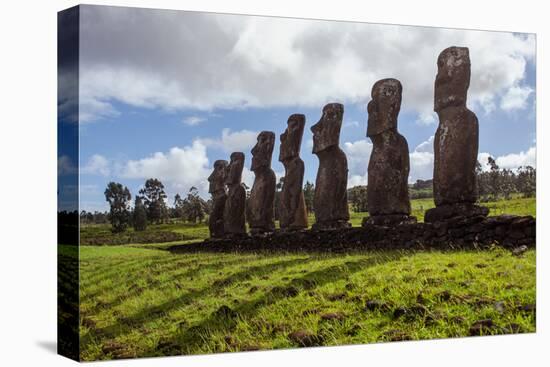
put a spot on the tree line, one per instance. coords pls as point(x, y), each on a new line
point(150, 207)
point(501, 183)
point(495, 184)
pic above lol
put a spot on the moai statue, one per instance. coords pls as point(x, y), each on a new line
point(233, 212)
point(330, 200)
point(388, 173)
point(219, 196)
point(292, 208)
point(456, 140)
point(262, 195)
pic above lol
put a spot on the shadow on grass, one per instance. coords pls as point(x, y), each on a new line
point(103, 272)
point(190, 340)
point(127, 324)
point(135, 290)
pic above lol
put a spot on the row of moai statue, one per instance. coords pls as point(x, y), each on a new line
point(454, 180)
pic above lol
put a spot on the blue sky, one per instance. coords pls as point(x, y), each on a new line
point(166, 93)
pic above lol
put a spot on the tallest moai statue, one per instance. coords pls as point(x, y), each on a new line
point(456, 140)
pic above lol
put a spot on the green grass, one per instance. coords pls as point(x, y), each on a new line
point(141, 301)
point(147, 302)
point(516, 206)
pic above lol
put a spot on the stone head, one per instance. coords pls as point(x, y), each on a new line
point(453, 78)
point(263, 150)
point(326, 132)
point(384, 107)
point(234, 170)
point(217, 177)
point(291, 139)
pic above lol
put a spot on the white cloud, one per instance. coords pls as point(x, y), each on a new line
point(510, 161)
point(97, 165)
point(65, 166)
point(236, 141)
point(91, 109)
point(180, 168)
point(193, 120)
point(515, 98)
point(426, 118)
point(209, 61)
point(426, 146)
point(358, 155)
point(421, 161)
point(421, 166)
point(515, 160)
point(248, 177)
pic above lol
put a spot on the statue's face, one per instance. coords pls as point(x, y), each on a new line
point(326, 133)
point(234, 170)
point(217, 178)
point(291, 139)
point(384, 107)
point(263, 150)
point(453, 78)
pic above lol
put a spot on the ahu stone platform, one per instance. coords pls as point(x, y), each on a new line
point(459, 233)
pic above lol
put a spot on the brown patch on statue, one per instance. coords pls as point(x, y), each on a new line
point(330, 199)
point(262, 195)
point(388, 173)
point(233, 214)
point(292, 208)
point(219, 196)
point(456, 140)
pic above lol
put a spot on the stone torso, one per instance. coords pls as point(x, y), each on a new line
point(388, 174)
point(215, 222)
point(293, 213)
point(455, 148)
point(330, 200)
point(261, 201)
point(234, 219)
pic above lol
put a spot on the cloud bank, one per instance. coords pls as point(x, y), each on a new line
point(176, 60)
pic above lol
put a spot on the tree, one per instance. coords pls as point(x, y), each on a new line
point(194, 207)
point(153, 198)
point(118, 197)
point(140, 215)
point(507, 183)
point(179, 211)
point(527, 181)
point(309, 193)
point(494, 178)
point(357, 196)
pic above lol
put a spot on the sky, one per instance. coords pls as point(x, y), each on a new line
point(166, 93)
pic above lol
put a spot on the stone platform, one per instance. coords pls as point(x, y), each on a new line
point(459, 233)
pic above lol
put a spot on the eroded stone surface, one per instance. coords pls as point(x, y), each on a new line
point(388, 172)
point(233, 215)
point(292, 209)
point(219, 196)
point(330, 198)
point(262, 195)
point(456, 140)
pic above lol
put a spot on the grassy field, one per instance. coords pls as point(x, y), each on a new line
point(139, 300)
